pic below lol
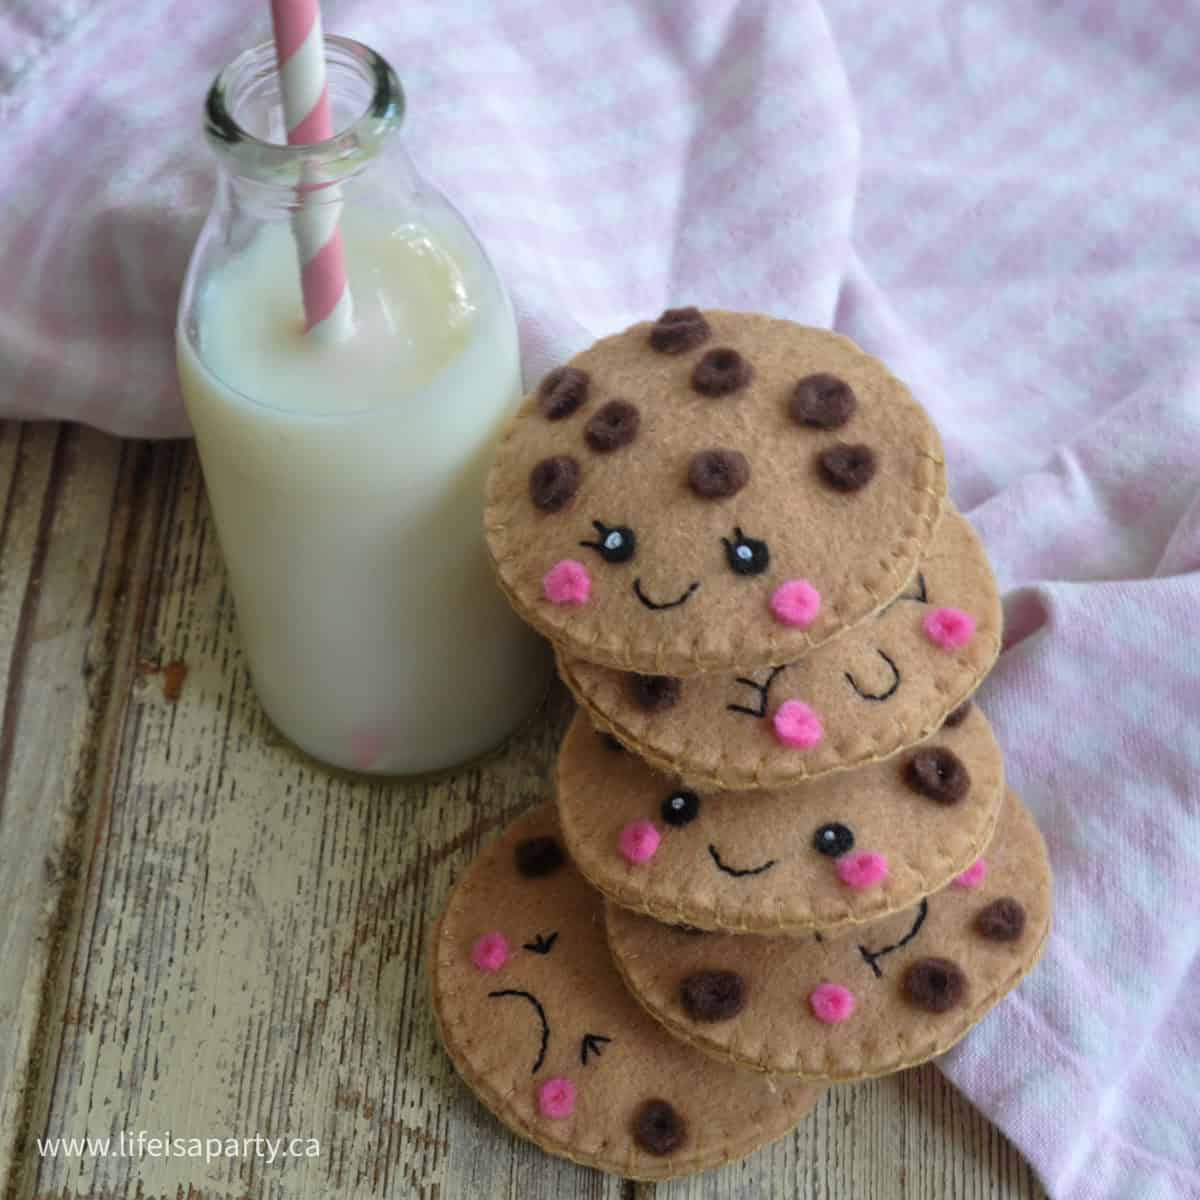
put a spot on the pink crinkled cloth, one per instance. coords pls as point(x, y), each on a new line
point(1001, 199)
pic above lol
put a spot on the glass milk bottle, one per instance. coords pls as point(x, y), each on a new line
point(346, 478)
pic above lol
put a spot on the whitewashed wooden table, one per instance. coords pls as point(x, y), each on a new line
point(201, 934)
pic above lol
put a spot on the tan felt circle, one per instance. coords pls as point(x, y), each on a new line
point(709, 742)
point(776, 1029)
point(857, 548)
point(601, 790)
point(495, 1042)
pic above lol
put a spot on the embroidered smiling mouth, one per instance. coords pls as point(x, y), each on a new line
point(888, 692)
point(740, 872)
point(654, 605)
point(541, 1015)
point(871, 957)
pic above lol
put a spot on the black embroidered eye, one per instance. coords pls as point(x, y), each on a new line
point(916, 591)
point(592, 1043)
point(616, 545)
point(746, 555)
point(542, 944)
point(681, 807)
point(833, 840)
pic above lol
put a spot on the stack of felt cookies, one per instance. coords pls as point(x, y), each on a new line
point(783, 852)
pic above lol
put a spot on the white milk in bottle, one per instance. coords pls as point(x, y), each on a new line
point(346, 480)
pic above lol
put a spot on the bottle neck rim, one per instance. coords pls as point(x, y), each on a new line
point(252, 79)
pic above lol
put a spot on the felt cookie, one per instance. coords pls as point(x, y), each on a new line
point(709, 491)
point(536, 1020)
point(847, 848)
point(879, 998)
point(887, 683)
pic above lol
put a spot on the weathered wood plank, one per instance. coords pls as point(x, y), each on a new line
point(908, 1135)
point(255, 934)
point(26, 463)
point(952, 1150)
point(251, 955)
point(67, 554)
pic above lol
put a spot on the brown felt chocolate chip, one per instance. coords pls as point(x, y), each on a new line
point(611, 427)
point(658, 1128)
point(959, 715)
point(938, 774)
point(847, 468)
point(1001, 921)
point(934, 984)
point(679, 329)
point(554, 482)
point(562, 391)
point(721, 372)
point(716, 474)
point(538, 856)
point(822, 402)
point(712, 995)
point(653, 693)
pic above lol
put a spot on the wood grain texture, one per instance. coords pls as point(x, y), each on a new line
point(252, 929)
point(904, 1136)
point(70, 548)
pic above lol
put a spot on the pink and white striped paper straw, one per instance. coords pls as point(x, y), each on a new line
point(300, 52)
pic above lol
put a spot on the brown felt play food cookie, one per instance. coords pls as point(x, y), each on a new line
point(866, 1002)
point(850, 847)
point(883, 685)
point(536, 1019)
point(709, 491)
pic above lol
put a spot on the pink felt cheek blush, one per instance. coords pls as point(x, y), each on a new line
point(568, 582)
point(861, 870)
point(796, 603)
point(638, 842)
point(797, 725)
point(831, 1003)
point(556, 1099)
point(490, 952)
point(949, 628)
point(973, 876)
